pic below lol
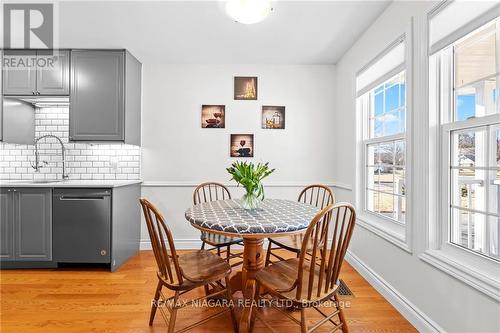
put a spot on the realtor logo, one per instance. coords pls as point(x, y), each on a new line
point(28, 26)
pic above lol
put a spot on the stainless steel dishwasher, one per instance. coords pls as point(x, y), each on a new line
point(81, 225)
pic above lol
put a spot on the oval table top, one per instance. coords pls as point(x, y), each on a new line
point(274, 216)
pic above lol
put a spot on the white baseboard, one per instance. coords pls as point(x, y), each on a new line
point(407, 309)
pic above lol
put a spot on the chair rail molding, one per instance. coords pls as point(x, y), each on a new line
point(160, 183)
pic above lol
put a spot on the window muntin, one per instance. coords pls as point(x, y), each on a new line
point(474, 161)
point(385, 148)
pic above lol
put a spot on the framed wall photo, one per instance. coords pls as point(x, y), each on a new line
point(242, 145)
point(245, 87)
point(213, 116)
point(273, 117)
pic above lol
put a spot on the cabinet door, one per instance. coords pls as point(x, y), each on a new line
point(53, 78)
point(6, 225)
point(19, 72)
point(97, 106)
point(33, 224)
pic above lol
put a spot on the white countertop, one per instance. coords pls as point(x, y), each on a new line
point(69, 183)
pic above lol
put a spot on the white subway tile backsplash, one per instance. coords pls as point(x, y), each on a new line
point(84, 161)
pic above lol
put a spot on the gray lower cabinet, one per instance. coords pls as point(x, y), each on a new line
point(26, 224)
point(6, 225)
point(36, 72)
point(105, 96)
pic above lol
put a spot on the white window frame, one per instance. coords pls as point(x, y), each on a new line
point(470, 267)
point(393, 231)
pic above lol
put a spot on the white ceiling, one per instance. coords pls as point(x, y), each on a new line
point(296, 32)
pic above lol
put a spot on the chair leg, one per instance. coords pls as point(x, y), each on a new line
point(229, 296)
point(202, 245)
point(173, 314)
point(154, 306)
point(303, 323)
point(341, 315)
point(268, 253)
point(218, 251)
point(256, 299)
point(228, 253)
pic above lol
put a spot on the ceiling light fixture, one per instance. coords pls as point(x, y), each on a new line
point(248, 11)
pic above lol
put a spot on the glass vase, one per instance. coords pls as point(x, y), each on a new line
point(250, 201)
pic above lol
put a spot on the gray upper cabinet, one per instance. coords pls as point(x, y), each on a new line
point(36, 73)
point(105, 96)
point(54, 79)
point(97, 96)
point(19, 75)
point(26, 224)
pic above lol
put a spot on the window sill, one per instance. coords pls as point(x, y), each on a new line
point(480, 277)
point(390, 231)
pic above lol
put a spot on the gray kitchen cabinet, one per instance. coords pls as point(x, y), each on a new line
point(41, 72)
point(19, 75)
point(105, 96)
point(53, 80)
point(6, 225)
point(33, 224)
point(26, 222)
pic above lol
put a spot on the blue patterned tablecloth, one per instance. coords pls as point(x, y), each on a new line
point(272, 216)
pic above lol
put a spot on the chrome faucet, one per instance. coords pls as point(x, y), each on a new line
point(37, 165)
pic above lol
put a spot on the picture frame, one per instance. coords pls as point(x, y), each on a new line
point(213, 116)
point(245, 87)
point(242, 145)
point(273, 117)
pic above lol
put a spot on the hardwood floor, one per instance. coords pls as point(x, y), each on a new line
point(95, 300)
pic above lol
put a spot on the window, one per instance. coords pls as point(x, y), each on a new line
point(384, 147)
point(470, 132)
point(382, 114)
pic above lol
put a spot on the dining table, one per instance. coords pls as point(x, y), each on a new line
point(273, 218)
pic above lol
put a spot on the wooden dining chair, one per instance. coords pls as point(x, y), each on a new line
point(310, 281)
point(182, 273)
point(317, 195)
point(211, 191)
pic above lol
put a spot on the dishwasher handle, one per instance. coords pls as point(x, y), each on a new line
point(81, 198)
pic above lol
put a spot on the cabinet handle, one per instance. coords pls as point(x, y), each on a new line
point(33, 93)
point(38, 93)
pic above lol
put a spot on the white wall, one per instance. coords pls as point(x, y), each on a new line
point(452, 305)
point(177, 153)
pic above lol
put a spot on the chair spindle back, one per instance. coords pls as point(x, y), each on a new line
point(323, 265)
point(317, 195)
point(210, 191)
point(162, 243)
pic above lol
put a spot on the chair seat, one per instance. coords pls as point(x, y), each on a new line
point(219, 240)
point(279, 279)
point(291, 243)
point(201, 266)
